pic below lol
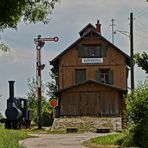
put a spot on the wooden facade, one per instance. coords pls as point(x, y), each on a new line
point(91, 76)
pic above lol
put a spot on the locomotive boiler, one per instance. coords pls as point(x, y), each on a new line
point(17, 113)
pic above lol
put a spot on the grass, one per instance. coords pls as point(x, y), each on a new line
point(10, 138)
point(103, 141)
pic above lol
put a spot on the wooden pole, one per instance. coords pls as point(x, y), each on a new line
point(131, 51)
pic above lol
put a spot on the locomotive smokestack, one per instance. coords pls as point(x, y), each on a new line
point(11, 91)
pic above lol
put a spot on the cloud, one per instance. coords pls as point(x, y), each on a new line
point(67, 19)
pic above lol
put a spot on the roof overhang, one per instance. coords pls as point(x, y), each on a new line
point(124, 91)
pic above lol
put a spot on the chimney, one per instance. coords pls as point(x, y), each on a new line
point(11, 91)
point(98, 27)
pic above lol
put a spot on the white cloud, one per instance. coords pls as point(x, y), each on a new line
point(67, 19)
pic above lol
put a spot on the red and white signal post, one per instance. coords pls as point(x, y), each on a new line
point(39, 44)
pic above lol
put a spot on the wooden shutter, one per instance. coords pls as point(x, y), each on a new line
point(104, 50)
point(80, 75)
point(110, 77)
point(98, 75)
point(127, 72)
point(80, 51)
point(97, 51)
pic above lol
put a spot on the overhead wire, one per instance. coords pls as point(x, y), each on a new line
point(142, 12)
point(107, 30)
point(141, 27)
point(141, 30)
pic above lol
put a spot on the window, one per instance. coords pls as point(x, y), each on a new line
point(92, 51)
point(104, 76)
point(80, 75)
point(22, 104)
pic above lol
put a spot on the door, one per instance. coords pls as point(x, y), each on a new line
point(89, 104)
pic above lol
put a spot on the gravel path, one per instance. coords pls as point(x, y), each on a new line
point(58, 140)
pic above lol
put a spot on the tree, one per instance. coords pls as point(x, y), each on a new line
point(32, 98)
point(4, 47)
point(137, 115)
point(51, 85)
point(32, 11)
point(142, 60)
point(1, 116)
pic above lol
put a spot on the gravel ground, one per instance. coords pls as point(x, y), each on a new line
point(58, 140)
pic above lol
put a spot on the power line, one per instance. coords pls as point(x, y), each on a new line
point(142, 26)
point(140, 12)
point(107, 30)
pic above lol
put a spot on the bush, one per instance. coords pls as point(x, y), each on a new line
point(125, 139)
point(47, 119)
point(137, 116)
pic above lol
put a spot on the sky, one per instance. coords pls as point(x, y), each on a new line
point(66, 21)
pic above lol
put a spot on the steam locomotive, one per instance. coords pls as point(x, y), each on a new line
point(17, 113)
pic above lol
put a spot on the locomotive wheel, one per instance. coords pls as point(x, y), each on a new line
point(8, 124)
point(16, 124)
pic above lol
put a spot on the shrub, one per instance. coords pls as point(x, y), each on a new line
point(137, 116)
point(47, 119)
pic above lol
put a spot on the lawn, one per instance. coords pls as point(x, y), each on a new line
point(103, 141)
point(10, 138)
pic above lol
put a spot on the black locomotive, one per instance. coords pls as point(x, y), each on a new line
point(17, 113)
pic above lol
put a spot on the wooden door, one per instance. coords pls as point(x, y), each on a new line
point(89, 104)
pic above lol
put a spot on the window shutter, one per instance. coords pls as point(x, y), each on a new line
point(98, 75)
point(127, 72)
point(80, 75)
point(110, 77)
point(98, 51)
point(104, 50)
point(80, 51)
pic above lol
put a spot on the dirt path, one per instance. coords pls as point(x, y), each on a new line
point(58, 140)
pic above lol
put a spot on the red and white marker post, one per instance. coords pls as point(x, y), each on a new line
point(39, 44)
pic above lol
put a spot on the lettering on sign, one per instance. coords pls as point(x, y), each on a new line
point(92, 60)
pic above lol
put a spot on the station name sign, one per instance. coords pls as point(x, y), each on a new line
point(92, 60)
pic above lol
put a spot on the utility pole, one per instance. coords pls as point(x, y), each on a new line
point(40, 42)
point(131, 51)
point(113, 30)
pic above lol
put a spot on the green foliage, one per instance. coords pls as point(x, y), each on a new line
point(47, 118)
point(32, 97)
point(125, 139)
point(4, 47)
point(137, 104)
point(1, 116)
point(137, 115)
point(105, 140)
point(10, 138)
point(142, 60)
point(51, 86)
point(32, 11)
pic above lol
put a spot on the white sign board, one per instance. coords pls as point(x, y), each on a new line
point(92, 60)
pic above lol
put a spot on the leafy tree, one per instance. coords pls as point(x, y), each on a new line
point(1, 116)
point(32, 97)
point(4, 47)
point(137, 115)
point(51, 85)
point(32, 11)
point(142, 60)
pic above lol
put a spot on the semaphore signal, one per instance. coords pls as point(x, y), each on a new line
point(40, 42)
